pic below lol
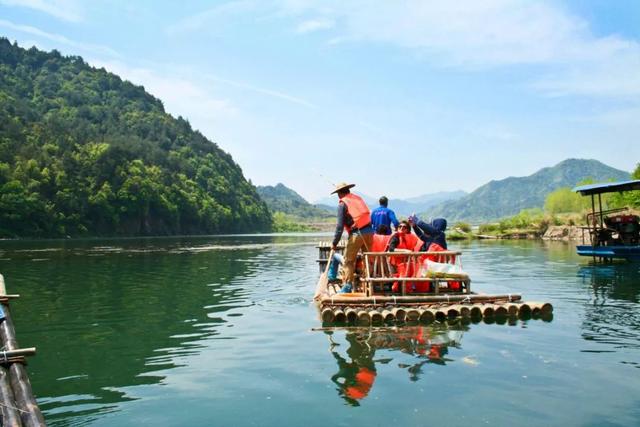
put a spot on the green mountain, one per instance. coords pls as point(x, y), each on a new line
point(83, 152)
point(283, 199)
point(509, 196)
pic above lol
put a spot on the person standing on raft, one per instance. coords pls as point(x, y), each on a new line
point(382, 215)
point(354, 217)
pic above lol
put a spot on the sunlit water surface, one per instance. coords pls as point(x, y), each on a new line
point(222, 331)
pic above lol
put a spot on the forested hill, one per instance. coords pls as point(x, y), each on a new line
point(83, 152)
point(509, 196)
point(283, 199)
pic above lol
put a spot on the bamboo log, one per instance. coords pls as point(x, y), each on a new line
point(10, 414)
point(500, 310)
point(399, 313)
point(441, 314)
point(541, 308)
point(352, 315)
point(453, 312)
point(30, 413)
point(327, 315)
point(339, 316)
point(487, 310)
point(388, 316)
point(364, 317)
point(524, 310)
point(376, 316)
point(426, 315)
point(512, 309)
point(413, 314)
point(475, 311)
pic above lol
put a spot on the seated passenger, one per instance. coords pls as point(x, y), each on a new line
point(430, 233)
point(403, 240)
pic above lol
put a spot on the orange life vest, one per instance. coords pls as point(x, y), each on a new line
point(358, 209)
point(380, 243)
point(363, 382)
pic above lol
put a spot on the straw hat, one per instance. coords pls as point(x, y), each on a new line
point(342, 186)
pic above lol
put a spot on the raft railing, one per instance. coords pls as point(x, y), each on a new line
point(377, 269)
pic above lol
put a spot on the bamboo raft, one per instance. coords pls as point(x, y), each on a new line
point(370, 304)
point(18, 407)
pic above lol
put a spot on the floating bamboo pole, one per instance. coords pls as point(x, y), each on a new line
point(339, 316)
point(30, 414)
point(328, 315)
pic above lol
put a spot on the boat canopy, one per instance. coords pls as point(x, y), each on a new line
point(608, 187)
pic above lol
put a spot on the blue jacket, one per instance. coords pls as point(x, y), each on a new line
point(431, 232)
point(383, 215)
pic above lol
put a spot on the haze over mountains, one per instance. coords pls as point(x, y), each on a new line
point(491, 201)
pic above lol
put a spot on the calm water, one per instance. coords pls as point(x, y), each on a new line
point(221, 331)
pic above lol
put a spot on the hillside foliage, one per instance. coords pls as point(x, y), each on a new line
point(498, 199)
point(83, 152)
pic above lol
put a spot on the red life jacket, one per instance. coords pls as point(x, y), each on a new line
point(380, 243)
point(358, 209)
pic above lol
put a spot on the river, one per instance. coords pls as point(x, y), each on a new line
point(221, 331)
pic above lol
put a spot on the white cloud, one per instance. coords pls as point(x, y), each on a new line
point(471, 34)
point(59, 39)
point(67, 10)
point(313, 25)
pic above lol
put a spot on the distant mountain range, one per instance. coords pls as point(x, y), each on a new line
point(494, 200)
point(280, 198)
point(509, 196)
point(402, 207)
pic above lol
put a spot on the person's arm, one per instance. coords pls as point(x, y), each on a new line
point(339, 225)
point(394, 220)
point(419, 233)
point(427, 228)
point(393, 243)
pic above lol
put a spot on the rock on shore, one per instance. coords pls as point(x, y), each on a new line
point(566, 233)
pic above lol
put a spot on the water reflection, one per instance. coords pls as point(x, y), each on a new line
point(118, 314)
point(611, 318)
point(357, 371)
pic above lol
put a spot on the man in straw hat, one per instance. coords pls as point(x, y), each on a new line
point(353, 216)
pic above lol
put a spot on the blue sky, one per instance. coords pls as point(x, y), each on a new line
point(400, 97)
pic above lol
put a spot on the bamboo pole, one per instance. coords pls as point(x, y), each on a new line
point(364, 317)
point(327, 315)
point(475, 311)
point(388, 316)
point(376, 317)
point(352, 315)
point(500, 310)
point(399, 313)
point(339, 316)
point(487, 310)
point(10, 414)
point(453, 312)
point(30, 413)
point(412, 314)
point(427, 316)
point(383, 299)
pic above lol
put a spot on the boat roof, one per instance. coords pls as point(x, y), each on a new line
point(608, 187)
